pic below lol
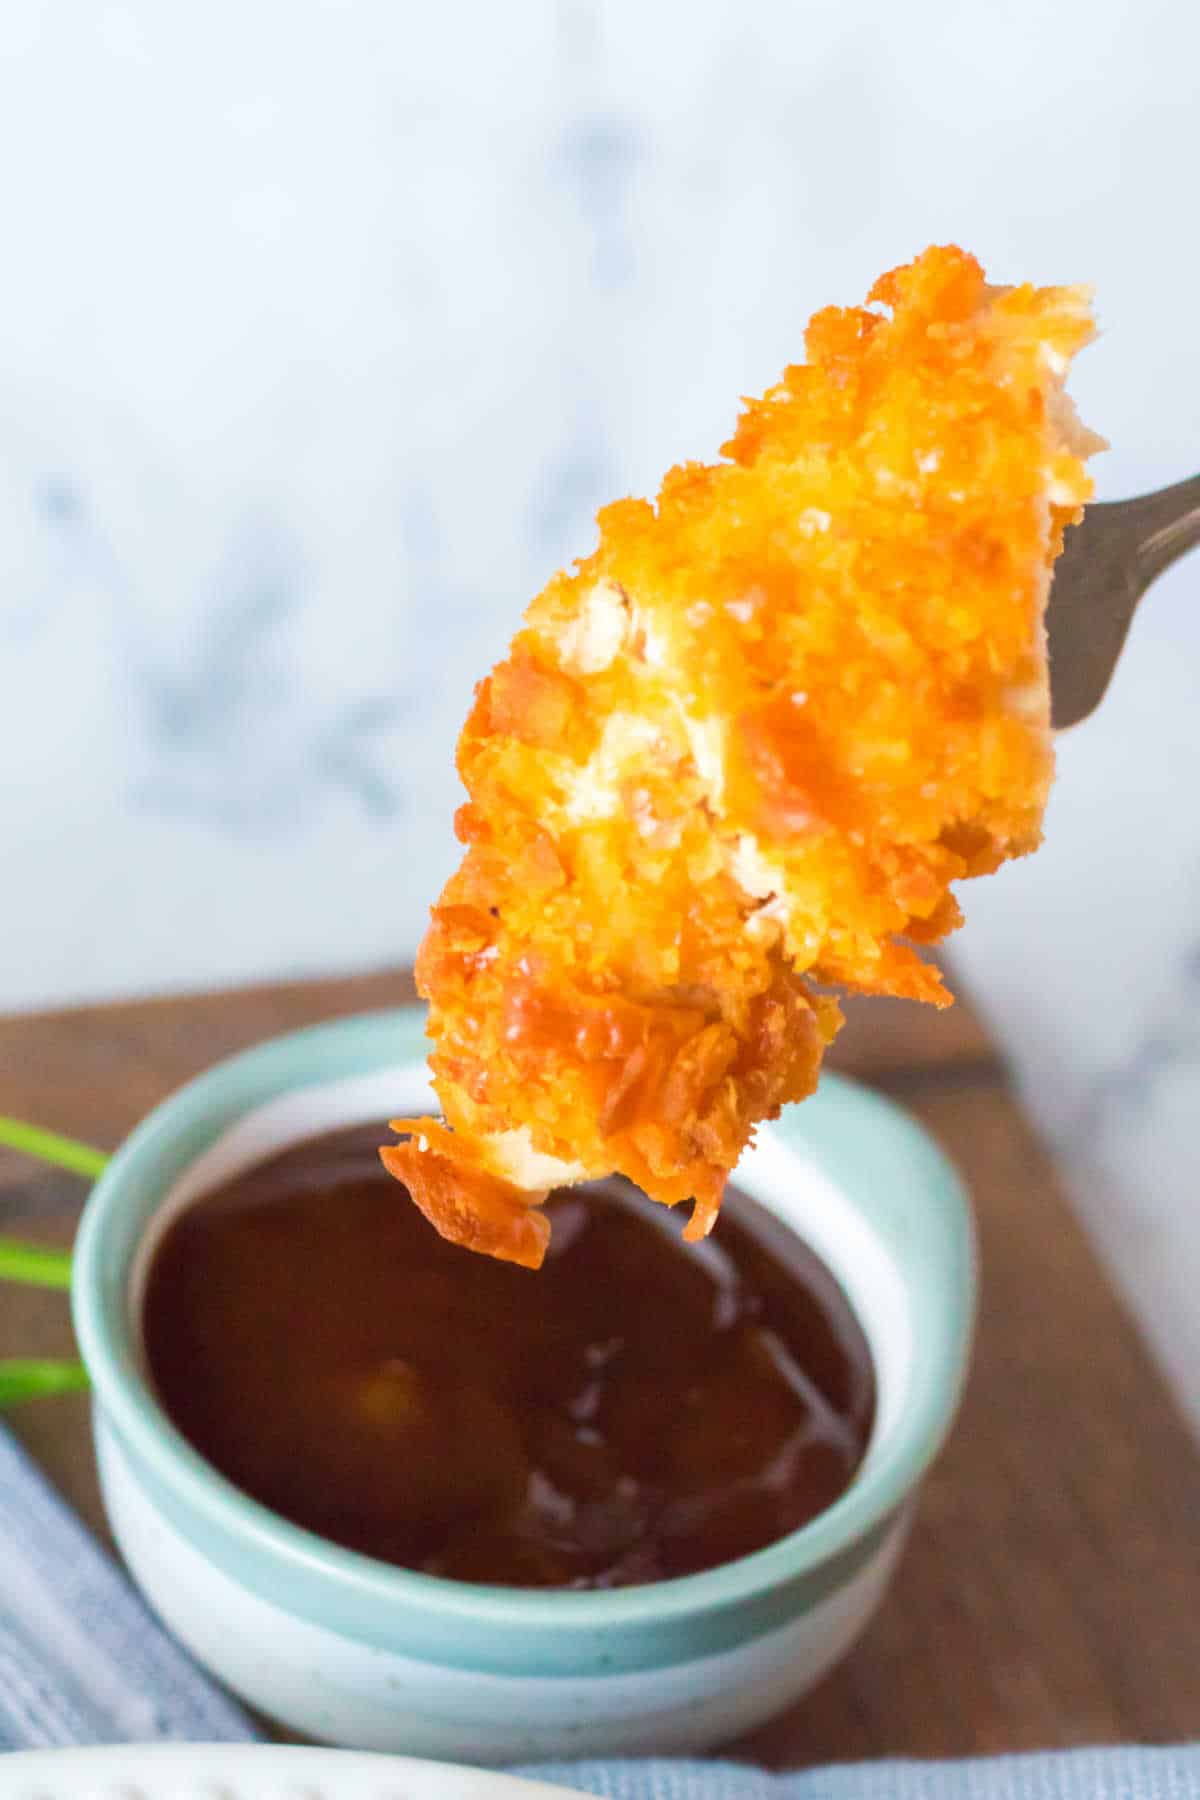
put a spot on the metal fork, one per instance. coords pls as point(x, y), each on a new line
point(1109, 560)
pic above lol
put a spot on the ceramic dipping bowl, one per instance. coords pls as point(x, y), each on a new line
point(356, 1652)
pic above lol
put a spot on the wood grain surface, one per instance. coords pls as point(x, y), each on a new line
point(1050, 1594)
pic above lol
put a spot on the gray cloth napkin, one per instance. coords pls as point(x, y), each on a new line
point(82, 1661)
point(1119, 1774)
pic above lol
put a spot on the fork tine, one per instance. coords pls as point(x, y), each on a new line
point(1109, 560)
point(1092, 601)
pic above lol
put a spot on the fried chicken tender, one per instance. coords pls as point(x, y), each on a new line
point(739, 756)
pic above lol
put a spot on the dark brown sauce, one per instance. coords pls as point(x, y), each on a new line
point(639, 1409)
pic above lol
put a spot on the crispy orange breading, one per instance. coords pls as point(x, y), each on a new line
point(742, 752)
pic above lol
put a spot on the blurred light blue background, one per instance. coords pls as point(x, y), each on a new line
point(325, 328)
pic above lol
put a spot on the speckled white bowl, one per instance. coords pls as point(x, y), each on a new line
point(355, 1652)
point(248, 1772)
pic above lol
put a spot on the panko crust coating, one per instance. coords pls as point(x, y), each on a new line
point(739, 755)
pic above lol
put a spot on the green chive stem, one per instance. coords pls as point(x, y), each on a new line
point(34, 1264)
point(52, 1147)
point(29, 1378)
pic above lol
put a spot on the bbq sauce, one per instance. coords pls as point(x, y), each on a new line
point(638, 1409)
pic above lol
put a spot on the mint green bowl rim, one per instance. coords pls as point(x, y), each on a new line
point(897, 1179)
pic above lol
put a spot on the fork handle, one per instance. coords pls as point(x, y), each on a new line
point(1167, 524)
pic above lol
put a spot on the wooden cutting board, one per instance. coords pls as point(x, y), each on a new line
point(1051, 1592)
